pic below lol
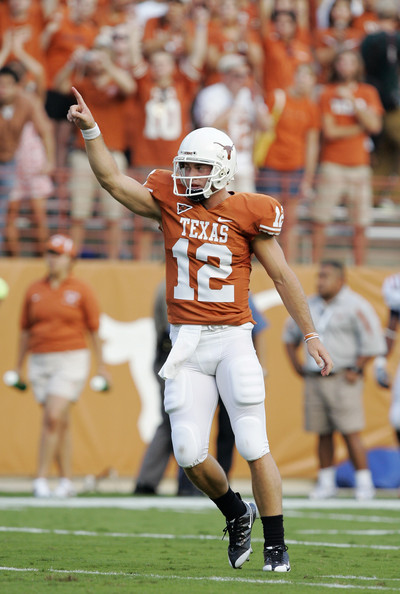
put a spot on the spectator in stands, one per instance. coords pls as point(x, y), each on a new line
point(25, 19)
point(99, 77)
point(113, 13)
point(338, 37)
point(16, 110)
point(380, 52)
point(301, 8)
point(235, 106)
point(230, 33)
point(367, 22)
point(391, 295)
point(70, 28)
point(289, 158)
point(172, 32)
point(351, 112)
point(165, 93)
point(57, 313)
point(32, 183)
point(283, 52)
point(350, 328)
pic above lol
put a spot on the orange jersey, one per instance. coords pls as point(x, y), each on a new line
point(58, 319)
point(353, 150)
point(208, 252)
point(299, 116)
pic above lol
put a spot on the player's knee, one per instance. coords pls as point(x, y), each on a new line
point(251, 438)
point(187, 447)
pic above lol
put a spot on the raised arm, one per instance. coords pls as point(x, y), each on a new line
point(270, 255)
point(123, 188)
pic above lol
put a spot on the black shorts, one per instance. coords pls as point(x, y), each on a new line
point(58, 104)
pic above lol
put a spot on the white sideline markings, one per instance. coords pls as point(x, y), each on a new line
point(351, 532)
point(203, 579)
point(62, 532)
point(188, 503)
point(342, 517)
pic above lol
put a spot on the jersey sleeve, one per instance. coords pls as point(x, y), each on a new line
point(265, 215)
point(159, 183)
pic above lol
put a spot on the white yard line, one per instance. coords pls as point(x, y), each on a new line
point(351, 532)
point(204, 579)
point(62, 532)
point(342, 517)
point(187, 503)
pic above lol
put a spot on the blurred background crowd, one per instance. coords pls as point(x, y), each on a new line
point(307, 89)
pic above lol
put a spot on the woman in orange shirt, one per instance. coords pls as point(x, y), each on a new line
point(58, 311)
point(289, 166)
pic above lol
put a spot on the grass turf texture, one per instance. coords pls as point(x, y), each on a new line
point(151, 550)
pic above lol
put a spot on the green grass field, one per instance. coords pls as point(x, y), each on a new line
point(169, 545)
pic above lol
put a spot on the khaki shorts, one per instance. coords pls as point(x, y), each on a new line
point(332, 404)
point(84, 186)
point(337, 182)
point(58, 374)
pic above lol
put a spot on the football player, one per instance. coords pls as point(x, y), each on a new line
point(210, 235)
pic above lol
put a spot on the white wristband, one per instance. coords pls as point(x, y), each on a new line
point(92, 133)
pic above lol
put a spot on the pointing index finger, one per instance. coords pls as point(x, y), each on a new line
point(78, 97)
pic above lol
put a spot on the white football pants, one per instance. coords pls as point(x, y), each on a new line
point(225, 363)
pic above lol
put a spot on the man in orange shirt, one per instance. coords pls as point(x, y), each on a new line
point(58, 312)
point(16, 110)
point(210, 235)
point(69, 28)
point(351, 112)
point(283, 52)
point(290, 164)
point(108, 86)
point(165, 93)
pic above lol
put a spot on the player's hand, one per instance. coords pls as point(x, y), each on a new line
point(79, 114)
point(320, 355)
point(381, 373)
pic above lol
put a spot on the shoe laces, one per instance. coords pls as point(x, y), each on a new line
point(276, 552)
point(237, 529)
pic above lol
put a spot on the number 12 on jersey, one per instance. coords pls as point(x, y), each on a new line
point(207, 271)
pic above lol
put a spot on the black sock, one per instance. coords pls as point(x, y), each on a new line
point(273, 530)
point(231, 505)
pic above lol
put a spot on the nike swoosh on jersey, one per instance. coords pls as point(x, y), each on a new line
point(221, 220)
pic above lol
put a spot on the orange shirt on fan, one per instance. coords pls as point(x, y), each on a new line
point(69, 37)
point(353, 150)
point(108, 107)
point(208, 253)
point(299, 116)
point(163, 119)
point(281, 61)
point(31, 29)
point(58, 319)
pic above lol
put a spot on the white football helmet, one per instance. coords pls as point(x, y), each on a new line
point(208, 146)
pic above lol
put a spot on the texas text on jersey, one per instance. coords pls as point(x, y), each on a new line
point(208, 255)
